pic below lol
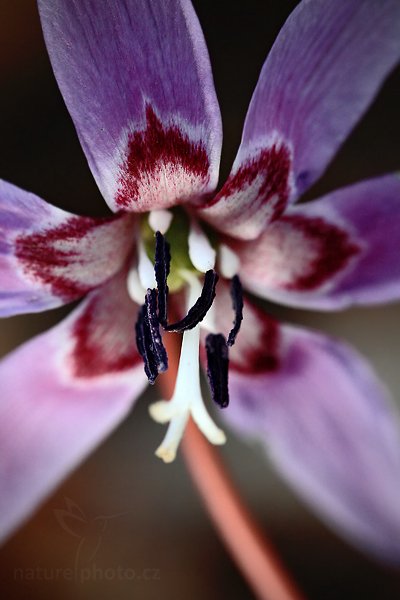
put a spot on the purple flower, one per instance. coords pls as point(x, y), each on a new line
point(136, 79)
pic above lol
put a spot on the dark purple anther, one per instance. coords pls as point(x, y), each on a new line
point(158, 350)
point(201, 306)
point(237, 302)
point(217, 368)
point(144, 345)
point(162, 263)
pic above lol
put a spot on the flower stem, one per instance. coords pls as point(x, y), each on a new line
point(252, 553)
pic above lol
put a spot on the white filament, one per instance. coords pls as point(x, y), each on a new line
point(201, 253)
point(187, 398)
point(145, 267)
point(160, 220)
point(135, 289)
point(228, 261)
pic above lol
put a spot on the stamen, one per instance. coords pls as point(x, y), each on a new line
point(201, 306)
point(217, 368)
point(187, 398)
point(228, 261)
point(201, 253)
point(159, 352)
point(144, 345)
point(237, 303)
point(162, 264)
point(145, 267)
point(160, 220)
point(135, 289)
point(209, 323)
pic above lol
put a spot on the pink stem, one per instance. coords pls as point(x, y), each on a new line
point(253, 555)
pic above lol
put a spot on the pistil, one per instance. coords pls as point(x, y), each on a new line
point(187, 398)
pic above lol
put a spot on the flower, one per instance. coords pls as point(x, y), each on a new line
point(136, 79)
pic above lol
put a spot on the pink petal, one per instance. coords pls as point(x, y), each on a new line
point(49, 257)
point(331, 253)
point(322, 73)
point(61, 395)
point(137, 81)
point(326, 423)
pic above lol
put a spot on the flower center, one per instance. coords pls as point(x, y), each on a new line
point(187, 398)
point(183, 260)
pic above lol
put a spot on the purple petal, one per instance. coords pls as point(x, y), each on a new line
point(322, 73)
point(49, 257)
point(331, 253)
point(137, 81)
point(327, 425)
point(61, 394)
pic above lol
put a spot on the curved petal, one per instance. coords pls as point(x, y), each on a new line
point(322, 73)
point(49, 257)
point(340, 250)
point(327, 426)
point(61, 394)
point(136, 78)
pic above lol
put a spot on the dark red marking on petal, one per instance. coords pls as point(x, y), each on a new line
point(40, 257)
point(260, 351)
point(104, 338)
point(274, 165)
point(153, 147)
point(335, 249)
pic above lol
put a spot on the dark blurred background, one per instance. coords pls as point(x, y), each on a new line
point(163, 545)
